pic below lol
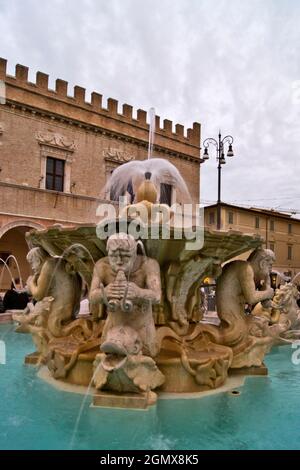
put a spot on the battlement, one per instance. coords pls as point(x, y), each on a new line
point(95, 105)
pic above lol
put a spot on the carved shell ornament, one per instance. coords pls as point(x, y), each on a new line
point(117, 155)
point(55, 139)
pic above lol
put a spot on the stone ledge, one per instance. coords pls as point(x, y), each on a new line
point(125, 400)
point(6, 317)
point(254, 370)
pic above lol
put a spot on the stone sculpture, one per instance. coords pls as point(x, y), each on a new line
point(34, 320)
point(285, 302)
point(51, 279)
point(283, 315)
point(242, 283)
point(127, 284)
point(145, 331)
point(58, 336)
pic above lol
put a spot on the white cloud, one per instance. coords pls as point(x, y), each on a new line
point(228, 64)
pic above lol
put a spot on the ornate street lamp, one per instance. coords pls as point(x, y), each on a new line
point(220, 146)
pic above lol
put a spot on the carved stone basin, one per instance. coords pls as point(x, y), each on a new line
point(186, 368)
point(219, 246)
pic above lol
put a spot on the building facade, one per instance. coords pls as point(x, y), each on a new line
point(281, 232)
point(57, 152)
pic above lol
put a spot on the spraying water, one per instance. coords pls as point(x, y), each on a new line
point(87, 393)
point(18, 268)
point(151, 132)
point(128, 177)
point(132, 174)
point(5, 265)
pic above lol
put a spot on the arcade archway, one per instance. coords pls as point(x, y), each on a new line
point(13, 242)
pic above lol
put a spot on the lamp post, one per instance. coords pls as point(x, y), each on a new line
point(220, 146)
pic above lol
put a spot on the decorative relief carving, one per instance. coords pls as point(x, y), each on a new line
point(116, 155)
point(55, 140)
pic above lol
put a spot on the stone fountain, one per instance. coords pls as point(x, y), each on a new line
point(145, 333)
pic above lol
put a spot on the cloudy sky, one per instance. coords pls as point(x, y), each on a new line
point(228, 64)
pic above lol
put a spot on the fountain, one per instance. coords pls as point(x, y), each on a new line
point(6, 266)
point(144, 335)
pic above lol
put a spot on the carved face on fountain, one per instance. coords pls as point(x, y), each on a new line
point(262, 263)
point(75, 253)
point(36, 258)
point(121, 249)
point(119, 344)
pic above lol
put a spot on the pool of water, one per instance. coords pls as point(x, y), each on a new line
point(34, 415)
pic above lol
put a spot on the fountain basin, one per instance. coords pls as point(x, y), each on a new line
point(33, 408)
point(182, 270)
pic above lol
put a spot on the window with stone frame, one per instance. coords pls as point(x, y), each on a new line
point(55, 146)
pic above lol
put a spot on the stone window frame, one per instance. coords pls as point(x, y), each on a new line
point(66, 155)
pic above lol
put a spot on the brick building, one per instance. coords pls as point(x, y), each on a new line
point(57, 152)
point(280, 231)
